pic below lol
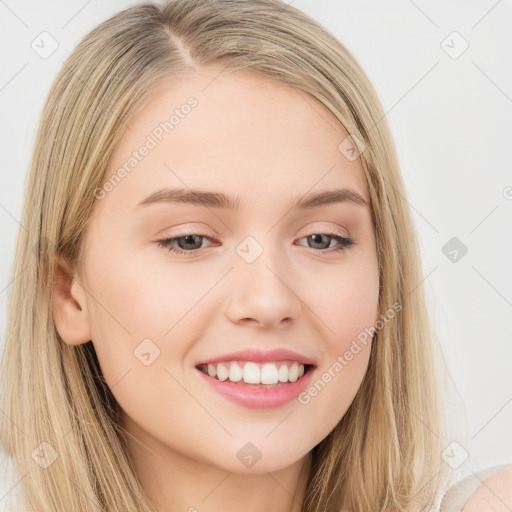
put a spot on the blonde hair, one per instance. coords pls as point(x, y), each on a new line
point(385, 453)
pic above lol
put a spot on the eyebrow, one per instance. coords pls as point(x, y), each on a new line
point(222, 201)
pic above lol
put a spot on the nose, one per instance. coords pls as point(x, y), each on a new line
point(262, 293)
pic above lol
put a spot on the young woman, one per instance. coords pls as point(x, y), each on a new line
point(219, 302)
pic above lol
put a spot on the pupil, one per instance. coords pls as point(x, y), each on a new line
point(314, 238)
point(189, 239)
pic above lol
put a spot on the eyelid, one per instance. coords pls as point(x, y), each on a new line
point(344, 242)
point(193, 231)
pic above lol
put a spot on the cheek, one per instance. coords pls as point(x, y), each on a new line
point(141, 335)
point(347, 307)
point(140, 299)
point(142, 314)
point(348, 304)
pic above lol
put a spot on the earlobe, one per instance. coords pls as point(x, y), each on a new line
point(69, 306)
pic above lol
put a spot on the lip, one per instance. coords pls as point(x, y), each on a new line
point(254, 397)
point(259, 356)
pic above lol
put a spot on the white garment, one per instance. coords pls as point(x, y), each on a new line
point(460, 492)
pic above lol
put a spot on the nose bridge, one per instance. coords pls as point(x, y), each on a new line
point(260, 260)
point(262, 287)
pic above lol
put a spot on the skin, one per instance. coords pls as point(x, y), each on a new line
point(494, 494)
point(267, 143)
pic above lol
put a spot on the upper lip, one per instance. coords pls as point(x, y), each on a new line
point(257, 355)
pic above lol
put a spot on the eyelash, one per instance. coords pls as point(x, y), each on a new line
point(167, 243)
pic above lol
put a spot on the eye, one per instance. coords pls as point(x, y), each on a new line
point(343, 241)
point(188, 241)
point(189, 244)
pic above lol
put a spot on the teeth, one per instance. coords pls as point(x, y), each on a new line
point(235, 373)
point(283, 374)
point(269, 374)
point(252, 373)
point(255, 373)
point(211, 370)
point(293, 374)
point(222, 372)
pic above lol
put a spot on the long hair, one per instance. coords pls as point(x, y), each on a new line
point(385, 453)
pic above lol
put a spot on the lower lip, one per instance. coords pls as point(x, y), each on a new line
point(260, 398)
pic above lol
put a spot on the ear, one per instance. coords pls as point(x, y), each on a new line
point(69, 306)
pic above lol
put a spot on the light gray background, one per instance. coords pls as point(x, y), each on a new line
point(452, 123)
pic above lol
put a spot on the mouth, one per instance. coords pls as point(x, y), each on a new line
point(257, 375)
point(257, 386)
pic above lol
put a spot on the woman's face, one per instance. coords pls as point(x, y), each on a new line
point(264, 275)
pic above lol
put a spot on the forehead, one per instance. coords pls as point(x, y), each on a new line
point(245, 135)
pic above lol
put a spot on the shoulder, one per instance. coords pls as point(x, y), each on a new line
point(493, 494)
point(487, 490)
